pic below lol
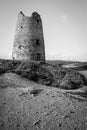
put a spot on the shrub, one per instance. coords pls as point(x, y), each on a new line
point(35, 71)
point(73, 80)
point(49, 75)
point(8, 65)
point(44, 73)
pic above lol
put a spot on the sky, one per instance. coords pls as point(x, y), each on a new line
point(64, 26)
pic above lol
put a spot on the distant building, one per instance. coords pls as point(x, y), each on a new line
point(29, 40)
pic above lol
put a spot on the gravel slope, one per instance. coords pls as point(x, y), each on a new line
point(25, 105)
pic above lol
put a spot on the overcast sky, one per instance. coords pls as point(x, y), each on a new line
point(64, 26)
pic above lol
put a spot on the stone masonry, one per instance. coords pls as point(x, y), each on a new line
point(29, 40)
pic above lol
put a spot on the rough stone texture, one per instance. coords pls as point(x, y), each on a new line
point(29, 41)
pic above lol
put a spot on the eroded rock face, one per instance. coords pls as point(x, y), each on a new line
point(29, 41)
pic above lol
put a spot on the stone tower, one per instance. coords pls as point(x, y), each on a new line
point(29, 40)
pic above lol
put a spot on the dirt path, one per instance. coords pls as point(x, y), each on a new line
point(25, 105)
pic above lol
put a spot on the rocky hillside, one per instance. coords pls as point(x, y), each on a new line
point(45, 73)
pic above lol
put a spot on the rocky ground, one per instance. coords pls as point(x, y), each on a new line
point(26, 105)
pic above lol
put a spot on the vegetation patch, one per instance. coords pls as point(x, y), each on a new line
point(45, 73)
point(51, 75)
point(8, 65)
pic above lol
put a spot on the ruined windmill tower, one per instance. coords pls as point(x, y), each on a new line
point(29, 41)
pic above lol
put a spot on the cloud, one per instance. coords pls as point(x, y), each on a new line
point(63, 18)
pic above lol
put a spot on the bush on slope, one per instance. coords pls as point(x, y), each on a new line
point(51, 75)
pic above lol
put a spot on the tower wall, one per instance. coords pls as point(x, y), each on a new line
point(29, 41)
